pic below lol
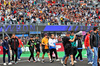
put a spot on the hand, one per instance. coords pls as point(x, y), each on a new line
point(41, 48)
point(92, 50)
point(32, 41)
point(6, 49)
point(85, 47)
point(47, 45)
point(53, 46)
point(31, 45)
point(35, 48)
point(74, 36)
point(89, 47)
point(10, 48)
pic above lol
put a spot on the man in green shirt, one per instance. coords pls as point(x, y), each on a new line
point(73, 46)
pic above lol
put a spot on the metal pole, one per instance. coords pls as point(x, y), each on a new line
point(37, 29)
point(2, 35)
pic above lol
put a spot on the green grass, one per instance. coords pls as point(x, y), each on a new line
point(60, 54)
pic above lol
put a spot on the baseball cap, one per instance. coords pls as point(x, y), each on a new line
point(68, 32)
point(5, 36)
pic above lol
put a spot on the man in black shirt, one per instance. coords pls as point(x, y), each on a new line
point(14, 43)
point(37, 48)
point(67, 47)
point(31, 48)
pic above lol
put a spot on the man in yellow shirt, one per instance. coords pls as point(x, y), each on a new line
point(45, 47)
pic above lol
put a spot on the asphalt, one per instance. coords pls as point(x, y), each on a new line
point(24, 62)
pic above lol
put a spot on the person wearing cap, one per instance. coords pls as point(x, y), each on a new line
point(14, 43)
point(31, 48)
point(88, 48)
point(94, 42)
point(37, 48)
point(79, 47)
point(5, 45)
point(45, 48)
point(67, 47)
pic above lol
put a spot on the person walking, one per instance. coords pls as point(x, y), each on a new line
point(88, 48)
point(31, 48)
point(37, 48)
point(45, 48)
point(52, 46)
point(14, 46)
point(5, 46)
point(68, 48)
point(94, 40)
point(73, 44)
point(19, 49)
point(79, 47)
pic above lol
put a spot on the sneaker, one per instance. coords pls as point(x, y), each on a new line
point(19, 59)
point(99, 62)
point(9, 63)
point(75, 61)
point(64, 64)
point(28, 60)
point(12, 61)
point(16, 62)
point(89, 62)
point(81, 60)
point(35, 58)
point(42, 61)
point(34, 61)
point(51, 61)
point(57, 60)
point(62, 61)
point(4, 64)
point(38, 59)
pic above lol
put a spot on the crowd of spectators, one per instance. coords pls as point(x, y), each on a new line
point(49, 12)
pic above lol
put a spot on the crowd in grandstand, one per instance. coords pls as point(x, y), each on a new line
point(49, 12)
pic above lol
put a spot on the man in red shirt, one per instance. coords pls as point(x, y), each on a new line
point(19, 49)
point(89, 51)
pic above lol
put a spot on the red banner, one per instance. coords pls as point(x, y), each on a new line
point(59, 47)
point(1, 50)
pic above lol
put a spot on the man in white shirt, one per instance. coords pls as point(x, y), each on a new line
point(52, 46)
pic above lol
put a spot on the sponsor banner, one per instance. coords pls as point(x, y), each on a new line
point(1, 50)
point(28, 28)
point(59, 47)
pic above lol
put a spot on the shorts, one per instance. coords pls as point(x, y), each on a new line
point(46, 50)
point(74, 50)
point(99, 52)
point(68, 51)
point(38, 50)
